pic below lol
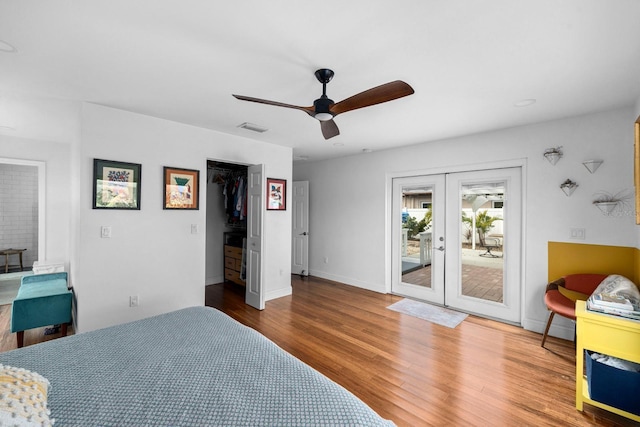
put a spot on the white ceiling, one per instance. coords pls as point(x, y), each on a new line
point(469, 62)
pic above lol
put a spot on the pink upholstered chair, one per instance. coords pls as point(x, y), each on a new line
point(561, 295)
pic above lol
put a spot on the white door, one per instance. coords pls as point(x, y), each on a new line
point(447, 263)
point(417, 257)
point(300, 229)
point(255, 195)
point(486, 279)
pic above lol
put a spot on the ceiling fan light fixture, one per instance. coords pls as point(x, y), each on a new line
point(323, 117)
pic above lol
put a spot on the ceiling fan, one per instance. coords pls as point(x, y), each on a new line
point(324, 109)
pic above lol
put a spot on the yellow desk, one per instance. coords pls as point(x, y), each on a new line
point(612, 335)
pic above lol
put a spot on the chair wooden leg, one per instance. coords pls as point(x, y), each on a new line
point(546, 330)
point(20, 336)
point(63, 328)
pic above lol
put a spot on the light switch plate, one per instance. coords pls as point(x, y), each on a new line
point(105, 232)
point(577, 233)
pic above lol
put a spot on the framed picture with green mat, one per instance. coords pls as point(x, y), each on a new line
point(116, 185)
point(181, 188)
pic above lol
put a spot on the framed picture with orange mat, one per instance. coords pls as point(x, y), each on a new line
point(181, 188)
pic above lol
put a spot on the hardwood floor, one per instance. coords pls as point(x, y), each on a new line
point(416, 373)
point(413, 372)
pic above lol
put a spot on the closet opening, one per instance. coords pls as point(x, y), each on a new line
point(226, 240)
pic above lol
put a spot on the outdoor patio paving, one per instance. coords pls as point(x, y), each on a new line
point(481, 276)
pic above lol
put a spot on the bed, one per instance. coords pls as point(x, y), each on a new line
point(191, 367)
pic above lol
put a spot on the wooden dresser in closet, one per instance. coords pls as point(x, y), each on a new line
point(233, 257)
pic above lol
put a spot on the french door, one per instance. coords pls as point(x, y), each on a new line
point(418, 251)
point(456, 240)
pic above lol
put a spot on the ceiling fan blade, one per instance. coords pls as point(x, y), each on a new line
point(329, 129)
point(377, 95)
point(308, 110)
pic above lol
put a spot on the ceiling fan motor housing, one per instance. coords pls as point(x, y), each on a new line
point(321, 106)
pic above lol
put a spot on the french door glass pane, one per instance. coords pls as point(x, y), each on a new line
point(416, 235)
point(482, 251)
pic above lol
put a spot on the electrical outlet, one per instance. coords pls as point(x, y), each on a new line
point(194, 228)
point(133, 301)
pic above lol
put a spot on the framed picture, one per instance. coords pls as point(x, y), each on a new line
point(116, 185)
point(181, 188)
point(276, 194)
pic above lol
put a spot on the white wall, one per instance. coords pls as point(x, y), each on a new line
point(152, 253)
point(216, 217)
point(356, 245)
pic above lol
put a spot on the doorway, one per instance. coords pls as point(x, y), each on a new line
point(456, 240)
point(300, 229)
point(235, 195)
point(22, 197)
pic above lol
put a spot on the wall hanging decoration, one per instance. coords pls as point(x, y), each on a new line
point(116, 185)
point(568, 187)
point(592, 165)
point(181, 188)
point(553, 154)
point(276, 194)
point(608, 202)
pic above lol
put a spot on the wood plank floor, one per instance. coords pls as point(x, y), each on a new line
point(416, 373)
point(482, 373)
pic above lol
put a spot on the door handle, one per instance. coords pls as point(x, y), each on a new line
point(440, 248)
point(304, 234)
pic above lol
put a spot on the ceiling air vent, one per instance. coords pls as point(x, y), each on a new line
point(252, 127)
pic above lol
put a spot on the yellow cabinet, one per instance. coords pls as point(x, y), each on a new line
point(606, 334)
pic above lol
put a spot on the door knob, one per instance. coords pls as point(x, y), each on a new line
point(304, 234)
point(440, 248)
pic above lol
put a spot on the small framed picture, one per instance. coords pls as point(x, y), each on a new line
point(116, 185)
point(276, 194)
point(181, 188)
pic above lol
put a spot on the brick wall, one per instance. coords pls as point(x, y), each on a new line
point(19, 212)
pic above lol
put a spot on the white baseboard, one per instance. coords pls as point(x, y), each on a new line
point(348, 281)
point(558, 329)
point(214, 280)
point(278, 293)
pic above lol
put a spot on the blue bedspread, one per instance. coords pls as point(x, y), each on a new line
point(191, 367)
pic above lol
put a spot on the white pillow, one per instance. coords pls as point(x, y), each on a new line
point(23, 398)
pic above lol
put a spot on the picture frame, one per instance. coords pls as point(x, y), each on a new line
point(276, 194)
point(116, 185)
point(181, 189)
